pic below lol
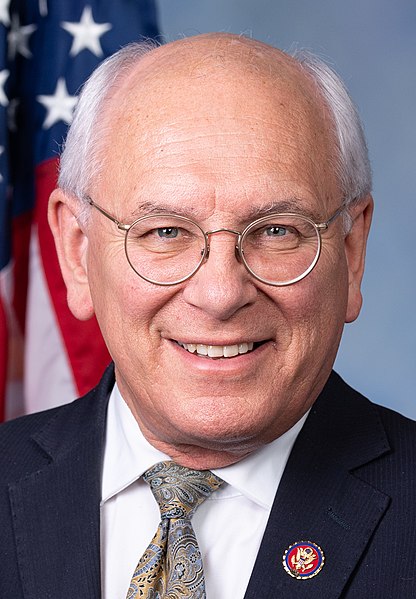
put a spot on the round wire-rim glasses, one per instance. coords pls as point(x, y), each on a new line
point(272, 219)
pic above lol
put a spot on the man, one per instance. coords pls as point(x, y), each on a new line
point(213, 210)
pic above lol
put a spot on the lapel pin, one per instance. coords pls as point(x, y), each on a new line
point(303, 560)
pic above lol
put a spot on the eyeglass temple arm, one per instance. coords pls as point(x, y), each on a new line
point(119, 224)
point(324, 226)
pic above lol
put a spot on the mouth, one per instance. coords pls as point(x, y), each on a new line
point(220, 351)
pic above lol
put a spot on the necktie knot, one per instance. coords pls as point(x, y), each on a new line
point(179, 490)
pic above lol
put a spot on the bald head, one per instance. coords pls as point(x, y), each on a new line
point(206, 54)
point(217, 64)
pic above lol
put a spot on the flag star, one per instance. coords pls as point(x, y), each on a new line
point(60, 105)
point(18, 38)
point(4, 12)
point(43, 8)
point(3, 98)
point(86, 33)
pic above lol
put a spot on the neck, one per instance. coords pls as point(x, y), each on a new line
point(199, 458)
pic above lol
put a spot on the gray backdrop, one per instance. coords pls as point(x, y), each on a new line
point(372, 44)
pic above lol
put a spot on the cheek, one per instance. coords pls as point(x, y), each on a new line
point(329, 296)
point(126, 306)
point(315, 307)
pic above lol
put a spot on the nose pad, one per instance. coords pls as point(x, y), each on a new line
point(237, 254)
point(232, 232)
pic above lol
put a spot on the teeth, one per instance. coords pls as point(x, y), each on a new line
point(230, 351)
point(218, 351)
point(215, 351)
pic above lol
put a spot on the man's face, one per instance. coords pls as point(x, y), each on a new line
point(218, 148)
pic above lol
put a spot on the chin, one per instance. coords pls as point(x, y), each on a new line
point(217, 434)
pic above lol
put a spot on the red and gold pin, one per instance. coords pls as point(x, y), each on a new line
point(303, 560)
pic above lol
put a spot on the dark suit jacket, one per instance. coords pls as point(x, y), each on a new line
point(349, 486)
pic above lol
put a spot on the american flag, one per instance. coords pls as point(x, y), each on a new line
point(48, 48)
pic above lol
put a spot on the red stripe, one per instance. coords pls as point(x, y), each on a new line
point(87, 353)
point(21, 230)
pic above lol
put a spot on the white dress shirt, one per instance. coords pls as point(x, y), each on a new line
point(130, 515)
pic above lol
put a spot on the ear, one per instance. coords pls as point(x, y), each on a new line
point(71, 244)
point(355, 248)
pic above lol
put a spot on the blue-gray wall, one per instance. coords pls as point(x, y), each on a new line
point(372, 44)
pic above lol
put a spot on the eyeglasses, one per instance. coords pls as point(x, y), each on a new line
point(168, 249)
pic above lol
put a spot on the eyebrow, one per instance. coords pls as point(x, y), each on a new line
point(293, 204)
point(146, 208)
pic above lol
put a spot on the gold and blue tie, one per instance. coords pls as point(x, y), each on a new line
point(171, 567)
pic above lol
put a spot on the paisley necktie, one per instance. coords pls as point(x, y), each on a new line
point(171, 566)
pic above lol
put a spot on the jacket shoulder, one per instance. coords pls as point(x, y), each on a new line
point(27, 442)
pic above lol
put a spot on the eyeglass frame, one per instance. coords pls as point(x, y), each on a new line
point(239, 251)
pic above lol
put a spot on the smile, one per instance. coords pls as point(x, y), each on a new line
point(218, 351)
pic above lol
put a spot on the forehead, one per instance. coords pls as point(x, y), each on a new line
point(216, 121)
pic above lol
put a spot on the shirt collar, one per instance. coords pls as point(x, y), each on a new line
point(258, 475)
point(127, 455)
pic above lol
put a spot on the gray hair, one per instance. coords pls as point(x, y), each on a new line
point(352, 163)
point(80, 161)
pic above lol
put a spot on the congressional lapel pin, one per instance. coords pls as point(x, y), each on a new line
point(303, 560)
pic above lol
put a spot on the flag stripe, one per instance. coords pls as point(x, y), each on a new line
point(82, 340)
point(51, 357)
point(21, 231)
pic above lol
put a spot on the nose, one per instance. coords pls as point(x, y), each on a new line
point(222, 285)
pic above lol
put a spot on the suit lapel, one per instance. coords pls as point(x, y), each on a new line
point(321, 500)
point(57, 507)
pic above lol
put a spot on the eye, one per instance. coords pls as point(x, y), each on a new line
point(168, 232)
point(274, 236)
point(276, 231)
